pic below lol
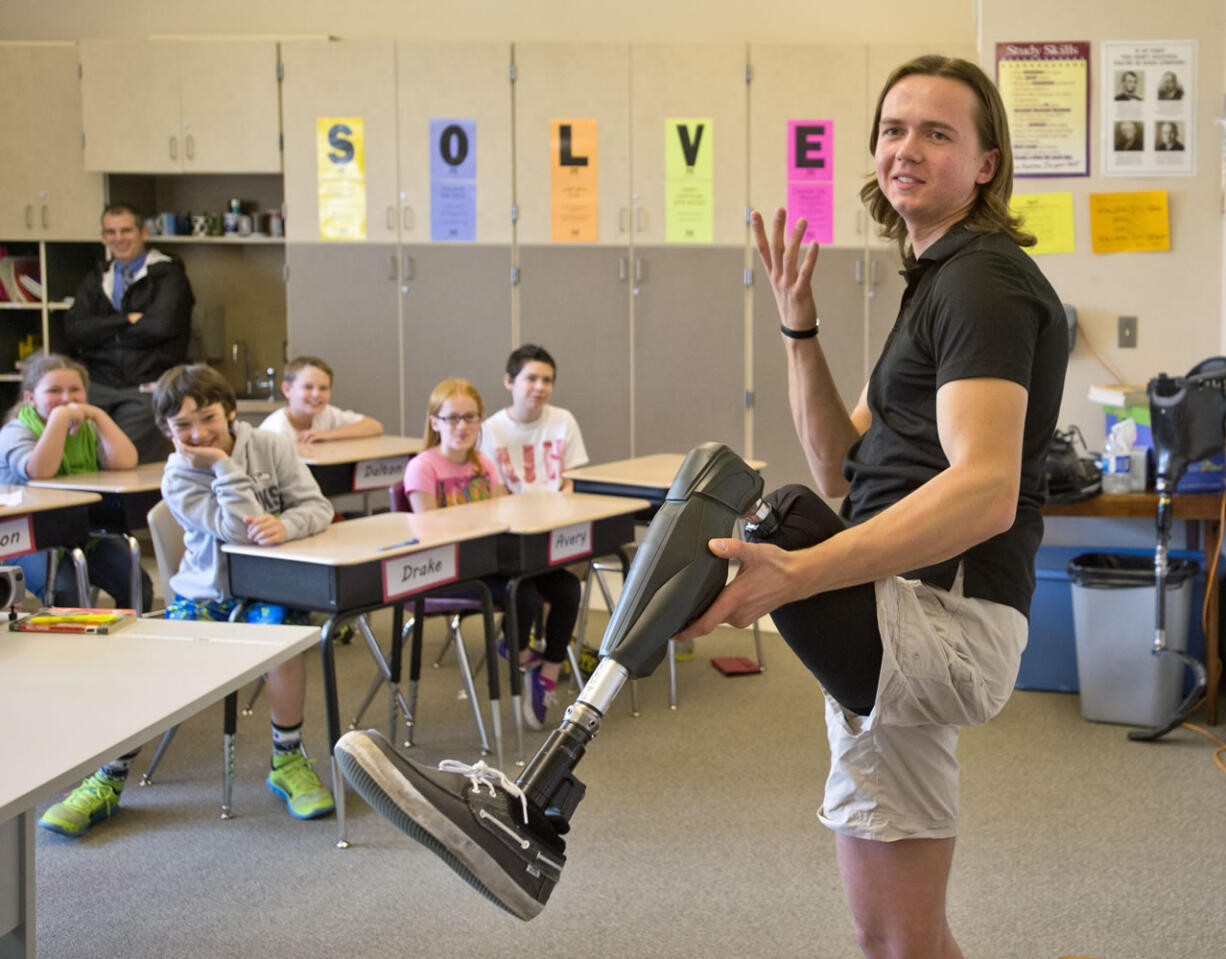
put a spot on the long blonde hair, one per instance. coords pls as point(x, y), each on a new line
point(990, 211)
point(440, 395)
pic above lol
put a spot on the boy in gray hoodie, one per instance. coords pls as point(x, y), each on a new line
point(225, 483)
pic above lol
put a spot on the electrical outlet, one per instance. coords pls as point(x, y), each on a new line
point(1127, 332)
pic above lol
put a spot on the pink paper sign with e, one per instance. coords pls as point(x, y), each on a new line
point(810, 163)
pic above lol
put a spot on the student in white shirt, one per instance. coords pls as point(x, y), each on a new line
point(531, 441)
point(306, 384)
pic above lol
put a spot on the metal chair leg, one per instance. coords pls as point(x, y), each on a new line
point(396, 699)
point(255, 694)
point(466, 674)
point(379, 679)
point(167, 737)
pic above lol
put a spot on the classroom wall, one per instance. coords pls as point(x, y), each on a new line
point(1176, 295)
point(883, 21)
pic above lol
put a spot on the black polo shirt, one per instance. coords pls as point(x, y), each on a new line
point(975, 306)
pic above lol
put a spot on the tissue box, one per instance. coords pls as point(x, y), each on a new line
point(1206, 476)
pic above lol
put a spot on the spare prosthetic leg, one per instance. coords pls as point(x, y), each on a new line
point(504, 837)
point(1188, 422)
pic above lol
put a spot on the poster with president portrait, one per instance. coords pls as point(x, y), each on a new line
point(1149, 108)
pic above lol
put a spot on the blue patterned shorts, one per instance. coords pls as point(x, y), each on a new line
point(219, 612)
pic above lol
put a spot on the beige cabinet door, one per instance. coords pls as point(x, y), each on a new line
point(810, 82)
point(576, 83)
point(703, 84)
point(339, 80)
point(47, 193)
point(468, 83)
point(130, 106)
point(230, 107)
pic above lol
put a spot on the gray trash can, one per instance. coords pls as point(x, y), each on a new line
point(1121, 680)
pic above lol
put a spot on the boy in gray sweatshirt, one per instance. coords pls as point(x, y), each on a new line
point(225, 483)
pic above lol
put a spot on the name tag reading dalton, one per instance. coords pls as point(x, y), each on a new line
point(570, 542)
point(405, 575)
point(378, 474)
point(16, 536)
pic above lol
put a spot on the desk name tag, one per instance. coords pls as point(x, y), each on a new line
point(378, 474)
point(570, 542)
point(16, 536)
point(406, 575)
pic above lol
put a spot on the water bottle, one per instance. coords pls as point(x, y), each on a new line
point(1117, 457)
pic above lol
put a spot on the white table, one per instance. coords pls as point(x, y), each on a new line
point(156, 673)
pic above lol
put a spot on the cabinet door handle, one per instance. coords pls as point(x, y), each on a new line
point(29, 216)
point(46, 218)
point(638, 269)
point(623, 215)
point(639, 217)
point(391, 218)
point(189, 143)
point(621, 268)
point(410, 269)
point(406, 218)
point(174, 148)
point(391, 267)
point(859, 272)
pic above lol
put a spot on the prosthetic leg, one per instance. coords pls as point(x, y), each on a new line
point(504, 837)
point(1188, 422)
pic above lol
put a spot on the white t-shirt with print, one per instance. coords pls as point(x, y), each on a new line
point(533, 456)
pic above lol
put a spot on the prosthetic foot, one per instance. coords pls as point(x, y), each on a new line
point(504, 837)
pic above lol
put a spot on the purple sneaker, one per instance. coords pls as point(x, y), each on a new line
point(538, 697)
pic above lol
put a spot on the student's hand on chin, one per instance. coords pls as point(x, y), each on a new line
point(201, 457)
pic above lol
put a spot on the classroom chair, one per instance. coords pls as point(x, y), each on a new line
point(454, 609)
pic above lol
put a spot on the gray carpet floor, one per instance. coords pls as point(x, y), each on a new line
point(697, 839)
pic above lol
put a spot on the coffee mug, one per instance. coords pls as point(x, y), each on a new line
point(213, 224)
point(200, 225)
point(152, 227)
point(244, 224)
point(276, 223)
point(166, 224)
point(230, 222)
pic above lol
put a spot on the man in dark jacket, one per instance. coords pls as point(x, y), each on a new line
point(131, 322)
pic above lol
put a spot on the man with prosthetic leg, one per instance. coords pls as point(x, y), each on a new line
point(505, 838)
point(910, 607)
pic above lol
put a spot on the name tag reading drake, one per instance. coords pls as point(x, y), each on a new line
point(16, 536)
point(378, 474)
point(405, 575)
point(570, 542)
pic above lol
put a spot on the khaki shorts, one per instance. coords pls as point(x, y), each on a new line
point(947, 661)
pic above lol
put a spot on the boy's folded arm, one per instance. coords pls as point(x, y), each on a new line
point(214, 504)
point(307, 511)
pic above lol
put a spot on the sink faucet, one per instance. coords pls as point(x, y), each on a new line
point(234, 350)
point(268, 382)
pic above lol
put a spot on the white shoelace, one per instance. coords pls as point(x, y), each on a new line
point(481, 774)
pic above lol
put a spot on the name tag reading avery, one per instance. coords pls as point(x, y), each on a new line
point(378, 474)
point(413, 572)
point(570, 542)
point(16, 536)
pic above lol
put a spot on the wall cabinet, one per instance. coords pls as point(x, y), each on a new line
point(153, 106)
point(47, 193)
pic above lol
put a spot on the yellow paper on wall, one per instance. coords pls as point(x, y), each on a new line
point(341, 154)
point(1135, 222)
point(1049, 216)
point(689, 148)
point(574, 199)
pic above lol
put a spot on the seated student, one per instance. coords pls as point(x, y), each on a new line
point(449, 471)
point(306, 383)
point(52, 431)
point(225, 483)
point(531, 441)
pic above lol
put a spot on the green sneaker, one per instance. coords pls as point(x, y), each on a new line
point(97, 798)
point(293, 779)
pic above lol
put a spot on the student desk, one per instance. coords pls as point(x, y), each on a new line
point(362, 565)
point(358, 466)
point(156, 673)
point(1196, 508)
point(126, 496)
point(647, 477)
point(544, 530)
point(46, 519)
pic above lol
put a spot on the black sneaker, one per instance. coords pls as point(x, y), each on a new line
point(473, 817)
